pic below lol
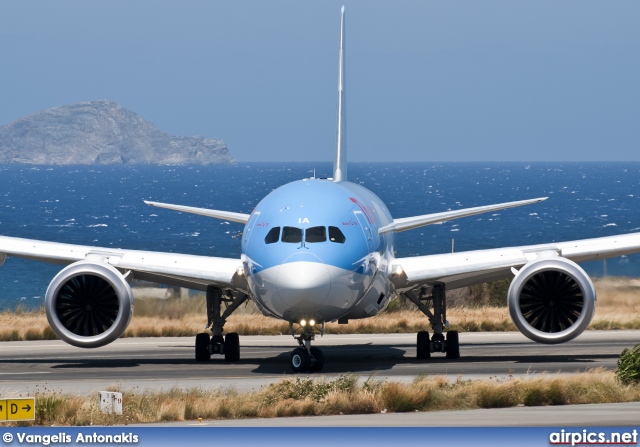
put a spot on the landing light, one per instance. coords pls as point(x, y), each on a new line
point(312, 322)
point(398, 270)
point(303, 323)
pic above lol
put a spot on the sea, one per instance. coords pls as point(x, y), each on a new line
point(103, 206)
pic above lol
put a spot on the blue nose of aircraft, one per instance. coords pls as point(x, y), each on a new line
point(303, 280)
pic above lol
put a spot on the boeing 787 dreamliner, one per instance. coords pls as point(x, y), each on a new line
point(321, 250)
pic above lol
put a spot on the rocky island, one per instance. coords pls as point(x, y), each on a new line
point(101, 133)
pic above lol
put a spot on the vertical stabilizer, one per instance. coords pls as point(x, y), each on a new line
point(340, 163)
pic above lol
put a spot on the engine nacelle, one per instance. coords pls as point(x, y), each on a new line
point(89, 304)
point(552, 300)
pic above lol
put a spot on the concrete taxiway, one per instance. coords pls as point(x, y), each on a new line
point(164, 363)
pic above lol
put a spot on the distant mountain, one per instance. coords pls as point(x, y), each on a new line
point(101, 133)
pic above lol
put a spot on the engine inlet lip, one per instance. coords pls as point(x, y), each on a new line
point(107, 273)
point(575, 272)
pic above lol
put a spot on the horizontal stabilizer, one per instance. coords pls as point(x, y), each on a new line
point(224, 215)
point(409, 223)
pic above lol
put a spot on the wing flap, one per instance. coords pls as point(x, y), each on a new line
point(187, 270)
point(600, 248)
point(473, 267)
point(52, 252)
point(209, 269)
point(433, 268)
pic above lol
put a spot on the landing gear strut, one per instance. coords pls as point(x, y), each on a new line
point(228, 345)
point(437, 298)
point(306, 358)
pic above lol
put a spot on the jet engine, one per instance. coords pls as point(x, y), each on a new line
point(89, 304)
point(551, 300)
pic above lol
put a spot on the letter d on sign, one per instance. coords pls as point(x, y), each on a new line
point(20, 409)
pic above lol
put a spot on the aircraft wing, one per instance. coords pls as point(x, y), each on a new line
point(475, 267)
point(191, 271)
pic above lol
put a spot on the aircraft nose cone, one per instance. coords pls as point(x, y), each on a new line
point(302, 280)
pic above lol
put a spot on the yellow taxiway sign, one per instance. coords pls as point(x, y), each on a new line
point(23, 409)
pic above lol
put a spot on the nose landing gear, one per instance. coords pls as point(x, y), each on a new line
point(300, 360)
point(306, 358)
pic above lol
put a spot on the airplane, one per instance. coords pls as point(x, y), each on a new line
point(320, 250)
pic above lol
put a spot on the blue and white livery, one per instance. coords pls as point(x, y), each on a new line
point(321, 250)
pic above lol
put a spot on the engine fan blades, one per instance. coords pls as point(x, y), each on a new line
point(551, 301)
point(87, 305)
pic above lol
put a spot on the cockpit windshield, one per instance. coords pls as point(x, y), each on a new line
point(272, 236)
point(291, 235)
point(315, 234)
point(335, 235)
point(294, 235)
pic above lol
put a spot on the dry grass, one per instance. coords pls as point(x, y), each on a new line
point(618, 308)
point(344, 395)
point(22, 324)
point(618, 304)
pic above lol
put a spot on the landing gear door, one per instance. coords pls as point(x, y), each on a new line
point(366, 229)
point(248, 229)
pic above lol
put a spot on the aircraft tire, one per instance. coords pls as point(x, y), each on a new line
point(232, 347)
point(453, 345)
point(423, 346)
point(317, 365)
point(300, 360)
point(202, 348)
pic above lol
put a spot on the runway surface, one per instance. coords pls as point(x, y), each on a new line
point(164, 363)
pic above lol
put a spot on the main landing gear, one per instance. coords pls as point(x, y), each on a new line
point(228, 345)
point(437, 299)
point(306, 358)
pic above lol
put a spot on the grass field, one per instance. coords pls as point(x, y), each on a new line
point(618, 307)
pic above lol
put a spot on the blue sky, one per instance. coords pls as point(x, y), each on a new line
point(426, 80)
